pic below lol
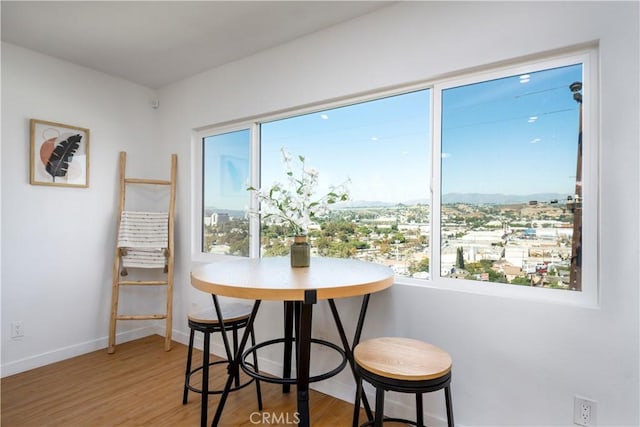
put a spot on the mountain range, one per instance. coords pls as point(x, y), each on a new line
point(466, 198)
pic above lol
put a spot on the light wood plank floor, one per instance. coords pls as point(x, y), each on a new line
point(141, 385)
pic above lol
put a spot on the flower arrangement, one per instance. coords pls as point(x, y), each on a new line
point(295, 204)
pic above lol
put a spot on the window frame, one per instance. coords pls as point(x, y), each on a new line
point(588, 296)
point(587, 56)
point(197, 186)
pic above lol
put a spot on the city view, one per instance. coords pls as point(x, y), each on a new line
point(520, 243)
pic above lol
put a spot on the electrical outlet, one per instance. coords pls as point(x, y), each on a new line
point(17, 329)
point(584, 411)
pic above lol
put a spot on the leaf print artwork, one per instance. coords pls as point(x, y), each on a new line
point(59, 154)
point(62, 155)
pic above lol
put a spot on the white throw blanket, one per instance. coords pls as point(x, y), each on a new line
point(145, 236)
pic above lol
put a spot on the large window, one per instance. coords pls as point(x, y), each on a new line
point(510, 194)
point(384, 148)
point(482, 181)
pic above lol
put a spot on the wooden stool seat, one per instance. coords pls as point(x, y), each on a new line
point(235, 316)
point(232, 312)
point(403, 365)
point(402, 358)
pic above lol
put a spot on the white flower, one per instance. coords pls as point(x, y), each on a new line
point(293, 205)
point(285, 155)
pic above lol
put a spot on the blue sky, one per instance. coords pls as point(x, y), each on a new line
point(515, 135)
point(511, 136)
point(382, 145)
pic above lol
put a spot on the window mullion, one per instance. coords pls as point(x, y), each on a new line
point(254, 220)
point(435, 221)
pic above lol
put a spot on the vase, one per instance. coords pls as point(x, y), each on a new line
point(300, 252)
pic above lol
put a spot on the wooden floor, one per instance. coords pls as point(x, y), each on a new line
point(141, 385)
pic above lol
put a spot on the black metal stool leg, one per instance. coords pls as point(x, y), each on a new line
point(255, 364)
point(235, 350)
point(379, 407)
point(187, 374)
point(356, 404)
point(419, 411)
point(356, 340)
point(205, 380)
point(447, 398)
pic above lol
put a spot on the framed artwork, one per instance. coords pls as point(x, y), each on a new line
point(59, 154)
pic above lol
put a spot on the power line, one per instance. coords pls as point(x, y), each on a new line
point(509, 119)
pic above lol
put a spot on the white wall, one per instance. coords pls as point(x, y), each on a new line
point(58, 243)
point(516, 362)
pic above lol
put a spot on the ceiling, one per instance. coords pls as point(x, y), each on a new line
point(156, 43)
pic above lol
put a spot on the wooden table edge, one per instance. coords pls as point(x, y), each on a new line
point(268, 294)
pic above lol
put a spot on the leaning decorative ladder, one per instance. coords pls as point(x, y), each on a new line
point(144, 254)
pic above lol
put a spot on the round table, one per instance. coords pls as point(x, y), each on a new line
point(274, 279)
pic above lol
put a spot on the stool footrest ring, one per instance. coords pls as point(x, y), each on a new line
point(249, 370)
point(217, 362)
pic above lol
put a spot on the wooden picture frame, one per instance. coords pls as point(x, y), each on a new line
point(59, 154)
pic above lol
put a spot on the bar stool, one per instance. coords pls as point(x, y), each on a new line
point(235, 317)
point(404, 365)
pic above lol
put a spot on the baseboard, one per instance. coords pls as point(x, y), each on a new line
point(64, 353)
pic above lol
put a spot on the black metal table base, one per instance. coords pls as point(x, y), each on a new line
point(298, 316)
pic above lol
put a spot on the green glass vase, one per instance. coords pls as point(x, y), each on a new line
point(300, 252)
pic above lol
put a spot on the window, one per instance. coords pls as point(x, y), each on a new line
point(381, 146)
point(479, 183)
point(225, 166)
point(510, 195)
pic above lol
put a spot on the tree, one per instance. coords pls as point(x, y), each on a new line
point(520, 280)
point(277, 248)
point(239, 247)
point(422, 265)
point(460, 258)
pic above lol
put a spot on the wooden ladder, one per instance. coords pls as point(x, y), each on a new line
point(168, 282)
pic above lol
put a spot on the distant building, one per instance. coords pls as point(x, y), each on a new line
point(219, 218)
point(515, 255)
point(510, 271)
